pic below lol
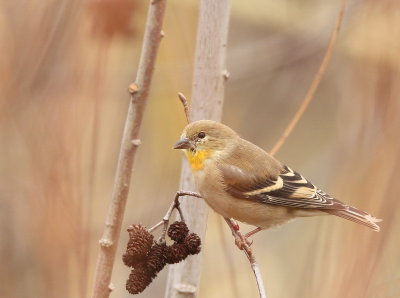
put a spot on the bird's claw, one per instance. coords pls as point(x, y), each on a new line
point(242, 242)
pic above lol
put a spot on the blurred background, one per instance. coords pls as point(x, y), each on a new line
point(64, 71)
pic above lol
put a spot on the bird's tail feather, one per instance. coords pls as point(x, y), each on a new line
point(357, 216)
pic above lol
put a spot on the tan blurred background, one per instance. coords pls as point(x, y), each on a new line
point(64, 71)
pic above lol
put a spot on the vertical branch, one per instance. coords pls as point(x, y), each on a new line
point(207, 100)
point(130, 141)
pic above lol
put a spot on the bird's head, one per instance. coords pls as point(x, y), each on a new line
point(203, 139)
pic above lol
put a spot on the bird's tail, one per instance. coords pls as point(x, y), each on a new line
point(357, 216)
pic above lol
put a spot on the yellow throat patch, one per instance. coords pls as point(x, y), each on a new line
point(197, 158)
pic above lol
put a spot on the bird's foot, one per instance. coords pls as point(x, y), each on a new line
point(242, 242)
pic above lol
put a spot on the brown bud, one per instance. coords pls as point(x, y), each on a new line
point(139, 279)
point(139, 244)
point(178, 231)
point(156, 259)
point(176, 253)
point(193, 243)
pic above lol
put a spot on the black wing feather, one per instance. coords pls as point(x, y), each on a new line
point(289, 189)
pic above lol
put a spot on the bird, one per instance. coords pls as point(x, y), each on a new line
point(241, 181)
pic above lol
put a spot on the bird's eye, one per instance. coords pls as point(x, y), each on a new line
point(201, 135)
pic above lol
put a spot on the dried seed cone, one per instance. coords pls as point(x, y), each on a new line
point(139, 279)
point(178, 231)
point(129, 260)
point(176, 252)
point(138, 234)
point(156, 259)
point(139, 244)
point(193, 243)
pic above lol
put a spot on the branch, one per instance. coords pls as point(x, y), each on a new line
point(315, 83)
point(130, 142)
point(241, 242)
point(185, 104)
point(207, 98)
point(175, 205)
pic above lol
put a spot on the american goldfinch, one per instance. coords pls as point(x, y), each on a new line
point(240, 180)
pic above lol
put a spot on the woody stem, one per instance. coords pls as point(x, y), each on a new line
point(175, 205)
point(242, 244)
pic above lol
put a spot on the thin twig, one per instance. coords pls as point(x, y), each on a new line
point(315, 83)
point(241, 242)
point(175, 205)
point(185, 106)
point(157, 225)
point(130, 142)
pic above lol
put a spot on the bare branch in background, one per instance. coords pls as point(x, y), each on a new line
point(130, 142)
point(207, 100)
point(315, 83)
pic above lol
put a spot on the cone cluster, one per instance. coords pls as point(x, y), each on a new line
point(184, 243)
point(148, 258)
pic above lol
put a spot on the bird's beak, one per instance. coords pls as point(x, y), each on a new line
point(183, 144)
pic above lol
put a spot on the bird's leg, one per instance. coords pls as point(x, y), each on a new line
point(252, 232)
point(240, 240)
point(246, 236)
point(235, 225)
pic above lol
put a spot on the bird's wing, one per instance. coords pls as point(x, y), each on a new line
point(289, 189)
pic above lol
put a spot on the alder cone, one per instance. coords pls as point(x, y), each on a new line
point(156, 259)
point(178, 231)
point(176, 252)
point(139, 244)
point(193, 243)
point(139, 279)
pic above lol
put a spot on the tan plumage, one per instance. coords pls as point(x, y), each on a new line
point(240, 180)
